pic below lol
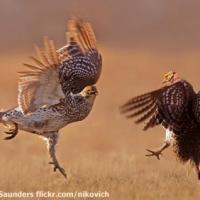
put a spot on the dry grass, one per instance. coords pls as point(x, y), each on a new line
point(104, 152)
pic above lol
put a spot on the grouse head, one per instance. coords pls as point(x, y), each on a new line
point(90, 92)
point(170, 77)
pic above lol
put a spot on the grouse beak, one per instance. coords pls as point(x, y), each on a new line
point(94, 90)
point(96, 93)
point(164, 81)
point(91, 90)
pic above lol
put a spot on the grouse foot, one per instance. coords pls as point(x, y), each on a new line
point(59, 168)
point(12, 132)
point(154, 153)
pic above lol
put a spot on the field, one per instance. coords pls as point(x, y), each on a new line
point(105, 152)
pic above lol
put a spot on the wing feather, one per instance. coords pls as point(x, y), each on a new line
point(146, 115)
point(80, 37)
point(141, 110)
point(39, 85)
point(151, 123)
point(148, 105)
point(136, 105)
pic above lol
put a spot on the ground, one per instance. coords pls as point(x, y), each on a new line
point(105, 152)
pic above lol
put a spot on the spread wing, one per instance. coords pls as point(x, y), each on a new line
point(79, 65)
point(165, 104)
point(80, 58)
point(80, 39)
point(39, 85)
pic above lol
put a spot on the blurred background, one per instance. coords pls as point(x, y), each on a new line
point(156, 26)
point(139, 41)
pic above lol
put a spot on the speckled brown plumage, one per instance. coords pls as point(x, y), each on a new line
point(83, 64)
point(58, 88)
point(177, 108)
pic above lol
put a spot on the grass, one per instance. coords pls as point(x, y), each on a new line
point(123, 175)
point(105, 152)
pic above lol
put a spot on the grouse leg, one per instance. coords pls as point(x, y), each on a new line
point(52, 140)
point(166, 144)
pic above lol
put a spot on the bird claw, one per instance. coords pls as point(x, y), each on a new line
point(60, 169)
point(154, 153)
point(12, 133)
